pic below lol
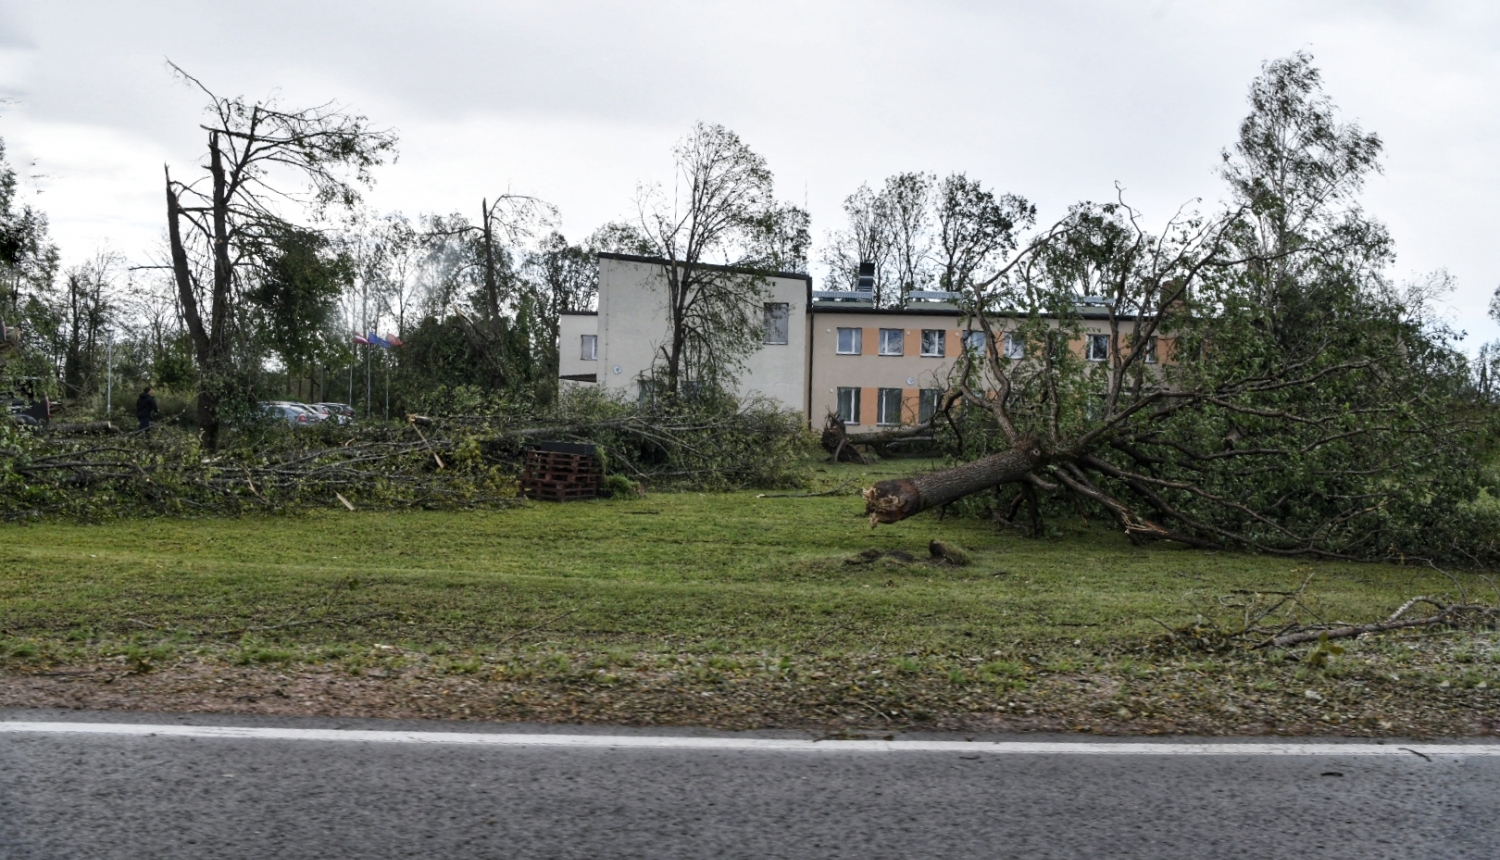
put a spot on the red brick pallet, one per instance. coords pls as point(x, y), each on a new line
point(553, 476)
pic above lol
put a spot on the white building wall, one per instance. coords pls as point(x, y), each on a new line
point(633, 327)
point(571, 327)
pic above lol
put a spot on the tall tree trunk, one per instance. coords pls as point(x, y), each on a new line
point(893, 501)
point(202, 345)
point(491, 288)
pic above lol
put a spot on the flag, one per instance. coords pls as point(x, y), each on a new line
point(359, 338)
point(374, 339)
point(393, 340)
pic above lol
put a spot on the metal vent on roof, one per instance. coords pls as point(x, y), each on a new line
point(866, 282)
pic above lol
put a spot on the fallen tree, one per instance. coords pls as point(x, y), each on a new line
point(1249, 378)
point(844, 447)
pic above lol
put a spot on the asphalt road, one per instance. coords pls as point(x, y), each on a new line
point(66, 795)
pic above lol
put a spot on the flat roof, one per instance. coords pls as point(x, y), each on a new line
point(950, 312)
point(818, 308)
point(738, 270)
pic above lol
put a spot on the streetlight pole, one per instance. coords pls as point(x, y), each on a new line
point(109, 371)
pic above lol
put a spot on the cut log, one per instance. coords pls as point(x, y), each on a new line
point(893, 501)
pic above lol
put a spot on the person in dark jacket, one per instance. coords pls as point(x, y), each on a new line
point(145, 407)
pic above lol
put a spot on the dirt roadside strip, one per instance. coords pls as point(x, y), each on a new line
point(825, 697)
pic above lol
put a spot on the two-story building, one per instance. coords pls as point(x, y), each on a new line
point(822, 351)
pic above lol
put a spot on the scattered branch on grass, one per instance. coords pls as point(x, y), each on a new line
point(1453, 614)
point(1286, 619)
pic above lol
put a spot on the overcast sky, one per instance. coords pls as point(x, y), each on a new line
point(578, 102)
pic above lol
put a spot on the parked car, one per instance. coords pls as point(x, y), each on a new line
point(343, 413)
point(318, 412)
point(294, 414)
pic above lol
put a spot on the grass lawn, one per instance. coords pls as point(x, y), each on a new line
point(659, 602)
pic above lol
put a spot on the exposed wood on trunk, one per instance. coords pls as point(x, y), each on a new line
point(893, 501)
point(837, 443)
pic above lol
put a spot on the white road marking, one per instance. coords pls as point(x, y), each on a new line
point(731, 744)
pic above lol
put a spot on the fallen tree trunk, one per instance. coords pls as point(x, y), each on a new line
point(893, 501)
point(838, 441)
point(880, 437)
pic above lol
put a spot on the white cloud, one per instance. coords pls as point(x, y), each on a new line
point(577, 102)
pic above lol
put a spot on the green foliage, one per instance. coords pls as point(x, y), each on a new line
point(618, 487)
point(448, 462)
point(1262, 383)
point(296, 294)
point(438, 369)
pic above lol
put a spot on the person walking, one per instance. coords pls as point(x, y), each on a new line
point(145, 407)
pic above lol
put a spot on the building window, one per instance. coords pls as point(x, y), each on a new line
point(934, 342)
point(646, 392)
point(849, 404)
point(1097, 347)
point(888, 407)
point(777, 314)
point(590, 347)
point(1015, 346)
point(891, 341)
point(849, 340)
point(927, 403)
point(976, 343)
point(1150, 350)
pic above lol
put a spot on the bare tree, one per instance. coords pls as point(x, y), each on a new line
point(904, 206)
point(562, 277)
point(89, 307)
point(401, 248)
point(865, 240)
point(721, 214)
point(486, 255)
point(974, 228)
point(917, 230)
point(222, 223)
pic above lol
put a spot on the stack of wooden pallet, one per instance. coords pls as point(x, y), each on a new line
point(561, 472)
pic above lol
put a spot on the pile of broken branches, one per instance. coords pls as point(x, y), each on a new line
point(425, 462)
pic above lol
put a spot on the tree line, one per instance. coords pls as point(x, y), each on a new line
point(271, 263)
